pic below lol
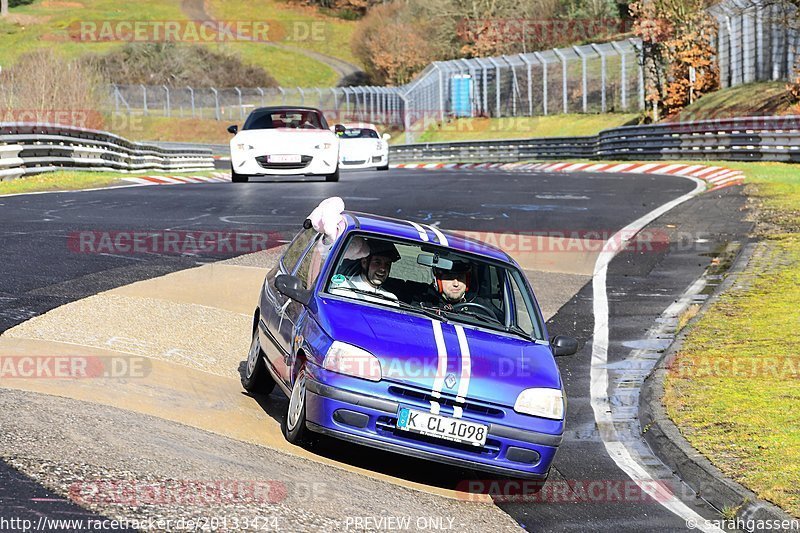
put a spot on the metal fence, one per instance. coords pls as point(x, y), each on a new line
point(756, 41)
point(582, 79)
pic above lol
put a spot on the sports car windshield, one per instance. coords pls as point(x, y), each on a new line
point(435, 282)
point(359, 134)
point(285, 118)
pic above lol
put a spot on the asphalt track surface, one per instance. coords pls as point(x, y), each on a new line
point(39, 272)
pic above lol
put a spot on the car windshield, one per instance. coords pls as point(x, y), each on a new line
point(436, 282)
point(285, 118)
point(358, 133)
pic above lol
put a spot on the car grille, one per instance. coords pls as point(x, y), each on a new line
point(361, 162)
point(387, 425)
point(304, 162)
point(469, 407)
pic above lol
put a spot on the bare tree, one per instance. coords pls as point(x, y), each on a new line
point(3, 8)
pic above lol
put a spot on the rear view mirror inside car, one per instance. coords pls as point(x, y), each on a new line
point(432, 260)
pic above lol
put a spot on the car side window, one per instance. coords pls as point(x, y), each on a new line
point(310, 267)
point(296, 249)
point(524, 313)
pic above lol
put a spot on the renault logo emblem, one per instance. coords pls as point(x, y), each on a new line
point(450, 381)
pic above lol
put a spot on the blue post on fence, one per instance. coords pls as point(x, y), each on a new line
point(461, 94)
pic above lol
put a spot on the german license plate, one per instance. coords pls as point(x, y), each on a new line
point(443, 427)
point(283, 158)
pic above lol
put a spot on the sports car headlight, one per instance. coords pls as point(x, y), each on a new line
point(547, 403)
point(353, 361)
point(324, 146)
point(244, 147)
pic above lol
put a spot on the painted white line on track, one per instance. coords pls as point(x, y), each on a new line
point(599, 371)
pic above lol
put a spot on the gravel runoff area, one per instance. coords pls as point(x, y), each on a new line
point(146, 326)
point(149, 471)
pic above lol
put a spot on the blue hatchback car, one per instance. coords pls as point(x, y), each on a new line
point(410, 339)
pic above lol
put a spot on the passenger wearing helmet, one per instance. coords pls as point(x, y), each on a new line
point(375, 269)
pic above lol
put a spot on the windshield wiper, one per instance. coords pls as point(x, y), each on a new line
point(519, 331)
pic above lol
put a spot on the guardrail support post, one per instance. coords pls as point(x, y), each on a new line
point(584, 95)
point(302, 96)
point(528, 66)
point(261, 92)
point(283, 95)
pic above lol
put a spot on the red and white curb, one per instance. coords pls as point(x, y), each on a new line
point(716, 177)
point(216, 177)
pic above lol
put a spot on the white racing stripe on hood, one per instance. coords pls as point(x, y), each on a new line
point(441, 367)
point(439, 235)
point(466, 368)
point(422, 233)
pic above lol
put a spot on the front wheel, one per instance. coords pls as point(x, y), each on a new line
point(256, 377)
point(333, 177)
point(384, 167)
point(294, 427)
point(238, 178)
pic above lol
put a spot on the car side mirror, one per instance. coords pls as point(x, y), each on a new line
point(292, 287)
point(386, 137)
point(563, 345)
point(339, 129)
point(233, 130)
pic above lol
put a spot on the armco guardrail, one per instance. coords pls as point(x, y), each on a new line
point(27, 148)
point(733, 139)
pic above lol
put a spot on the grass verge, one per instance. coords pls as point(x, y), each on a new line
point(475, 129)
point(734, 389)
point(70, 180)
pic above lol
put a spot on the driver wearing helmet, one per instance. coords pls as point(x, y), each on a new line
point(449, 289)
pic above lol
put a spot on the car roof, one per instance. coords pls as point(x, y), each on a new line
point(405, 229)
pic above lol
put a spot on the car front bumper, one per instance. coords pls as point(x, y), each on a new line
point(371, 421)
point(323, 162)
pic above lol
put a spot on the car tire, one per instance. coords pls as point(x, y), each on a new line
point(238, 178)
point(333, 177)
point(294, 425)
point(256, 378)
point(385, 167)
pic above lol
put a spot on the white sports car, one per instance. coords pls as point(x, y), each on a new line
point(284, 141)
point(362, 147)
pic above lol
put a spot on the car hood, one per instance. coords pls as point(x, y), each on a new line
point(500, 366)
point(284, 140)
point(359, 146)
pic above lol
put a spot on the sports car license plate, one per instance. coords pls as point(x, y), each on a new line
point(283, 158)
point(452, 429)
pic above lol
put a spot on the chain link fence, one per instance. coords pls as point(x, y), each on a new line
point(754, 43)
point(757, 41)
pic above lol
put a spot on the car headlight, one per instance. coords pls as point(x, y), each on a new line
point(324, 146)
point(353, 361)
point(244, 147)
point(547, 403)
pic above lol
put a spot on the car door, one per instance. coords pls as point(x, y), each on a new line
point(289, 322)
point(274, 304)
